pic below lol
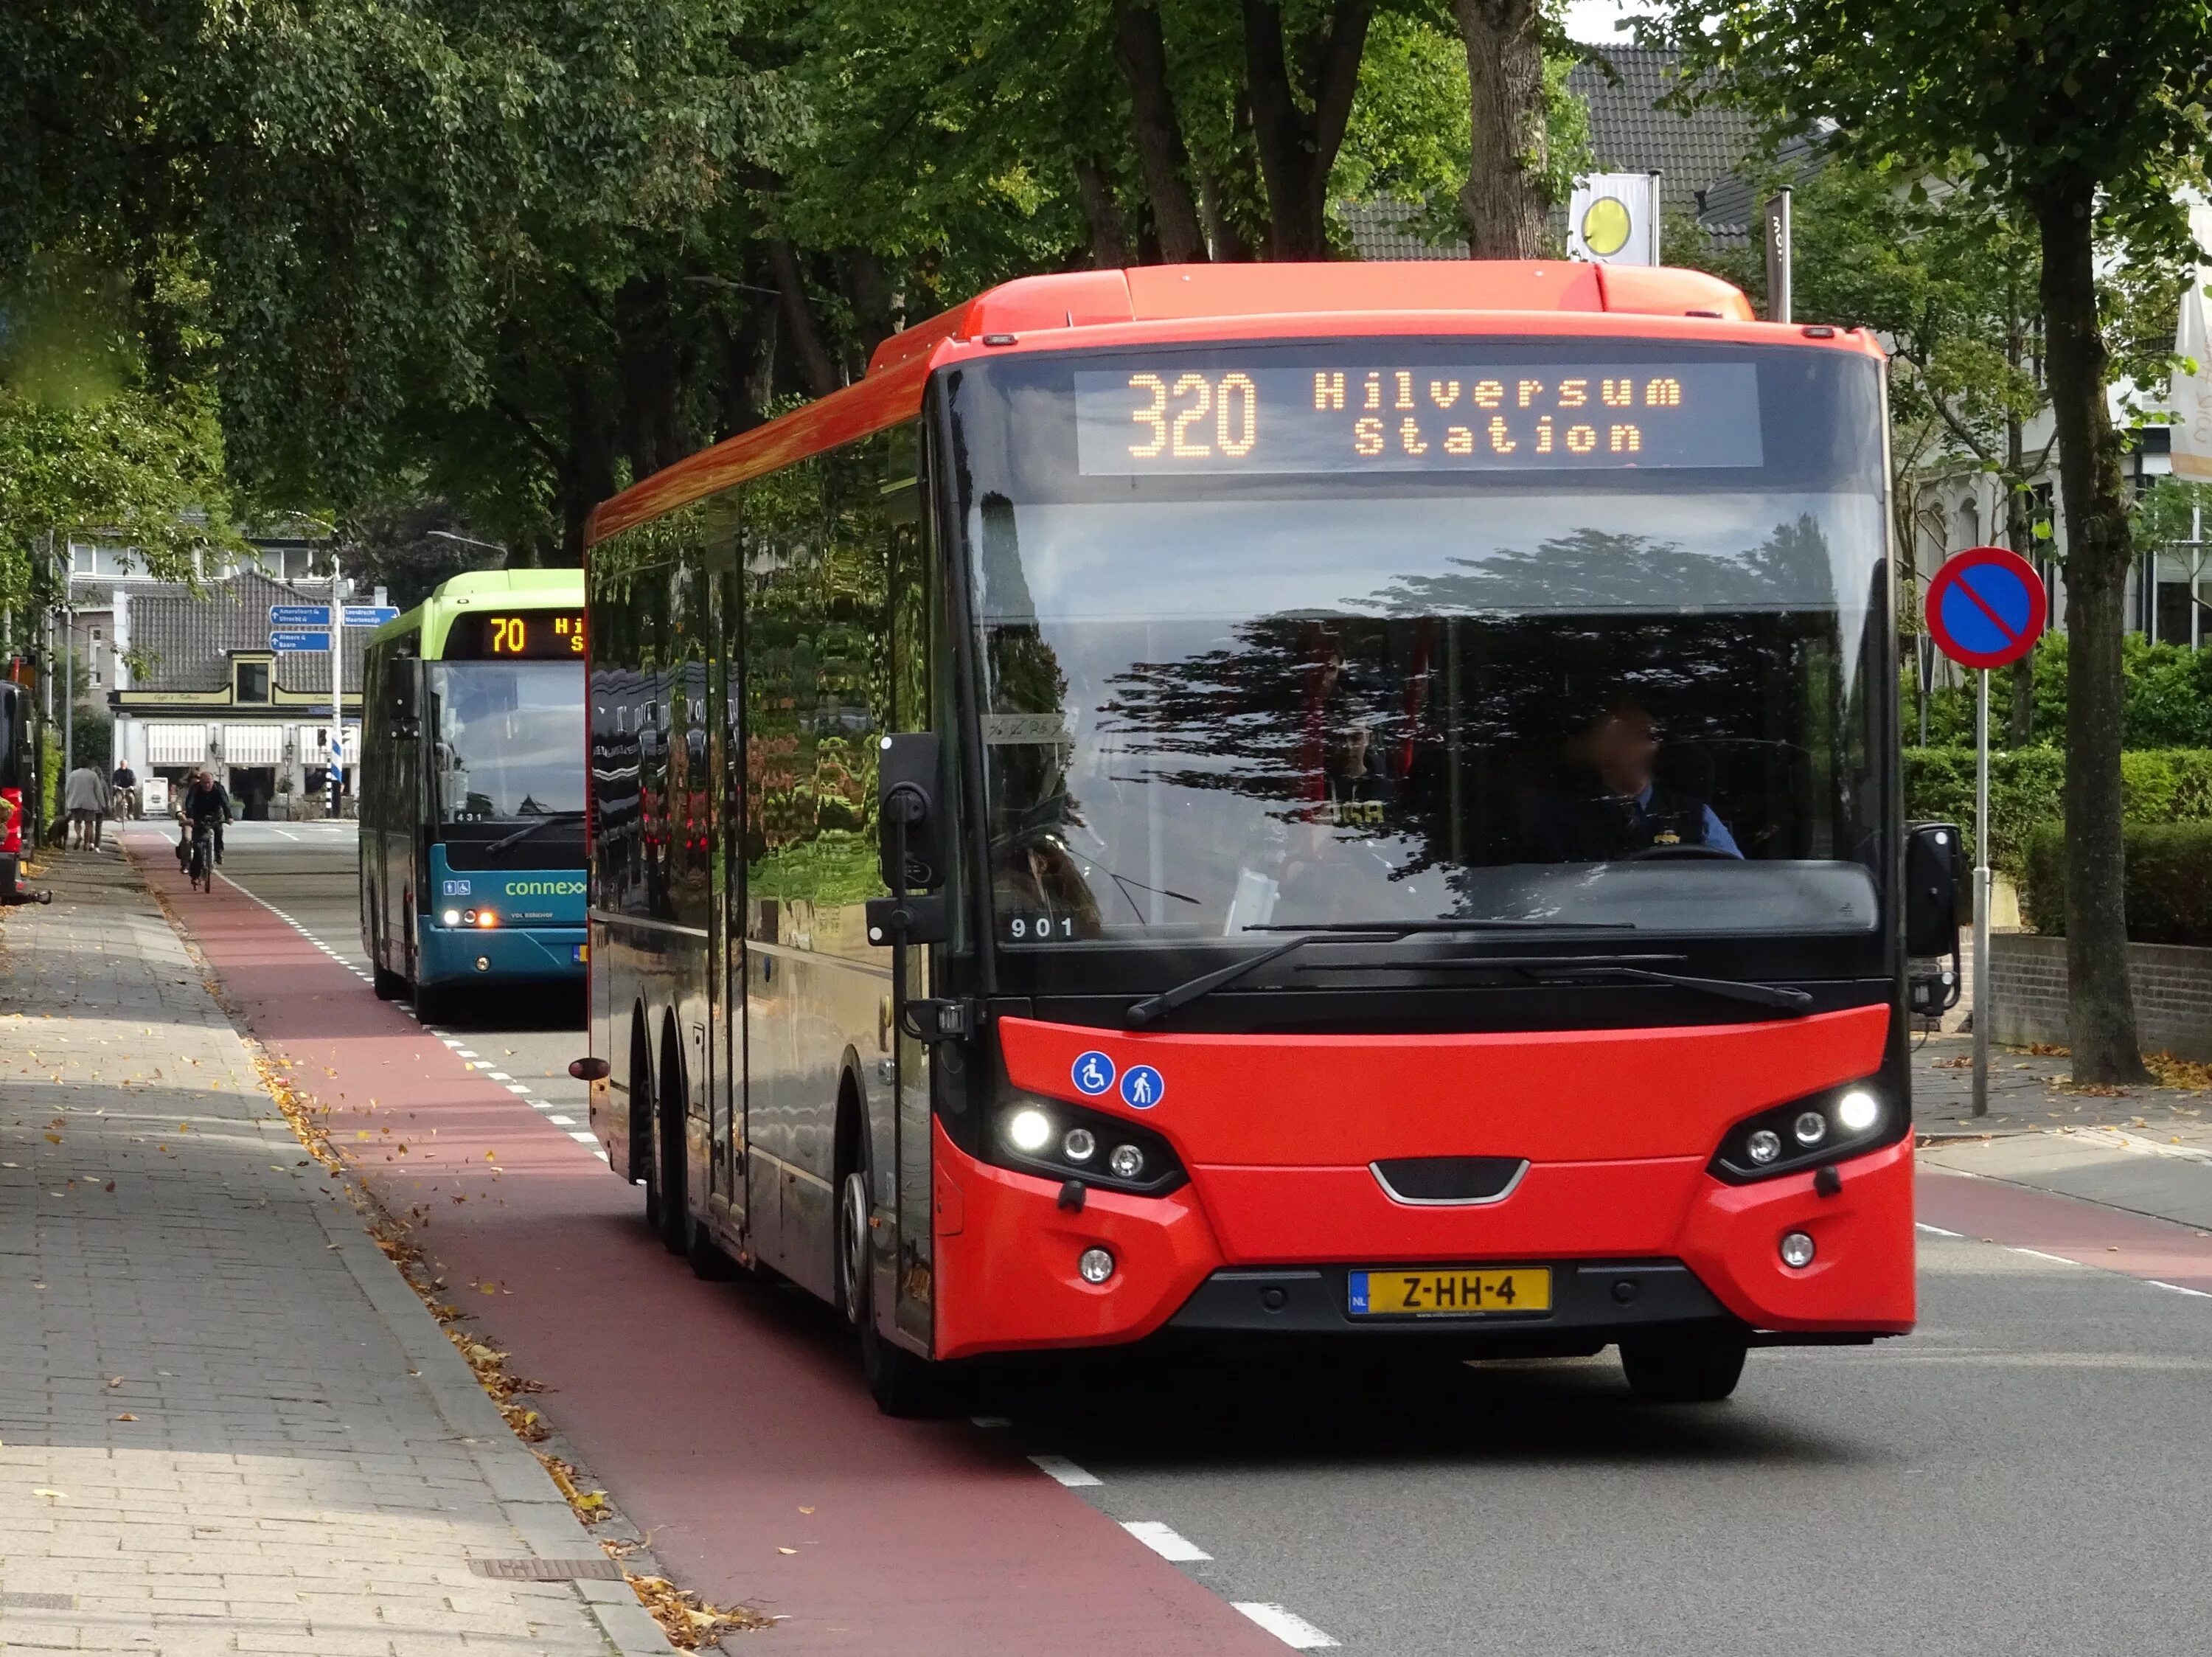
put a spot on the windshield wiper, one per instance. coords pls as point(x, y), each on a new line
point(1152, 1009)
point(531, 828)
point(1796, 1002)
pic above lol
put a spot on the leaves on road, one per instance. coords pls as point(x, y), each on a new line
point(690, 1624)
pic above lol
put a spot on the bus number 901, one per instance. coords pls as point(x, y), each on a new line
point(1041, 929)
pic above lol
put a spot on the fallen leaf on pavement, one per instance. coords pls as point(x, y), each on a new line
point(126, 1415)
point(51, 1495)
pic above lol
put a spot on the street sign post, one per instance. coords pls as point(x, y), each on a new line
point(1986, 607)
point(286, 639)
point(298, 615)
point(370, 615)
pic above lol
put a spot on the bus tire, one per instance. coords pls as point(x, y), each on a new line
point(433, 1002)
point(903, 1385)
point(675, 1215)
point(1684, 1367)
point(644, 1150)
point(389, 985)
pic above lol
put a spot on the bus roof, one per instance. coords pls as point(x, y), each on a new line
point(1178, 302)
point(483, 590)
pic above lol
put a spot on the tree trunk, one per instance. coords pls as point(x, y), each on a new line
point(875, 302)
point(799, 330)
point(1109, 232)
point(1505, 197)
point(2102, 1011)
point(1297, 151)
point(2019, 535)
point(1143, 55)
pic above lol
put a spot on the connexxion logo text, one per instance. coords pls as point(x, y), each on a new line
point(545, 888)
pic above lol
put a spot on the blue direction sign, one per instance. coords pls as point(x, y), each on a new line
point(283, 639)
point(298, 615)
point(1986, 606)
point(370, 615)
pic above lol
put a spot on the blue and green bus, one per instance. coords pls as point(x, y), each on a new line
point(472, 789)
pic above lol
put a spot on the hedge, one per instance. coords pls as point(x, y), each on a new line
point(2027, 788)
point(2168, 885)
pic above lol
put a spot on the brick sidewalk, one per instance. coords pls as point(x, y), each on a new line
point(225, 1423)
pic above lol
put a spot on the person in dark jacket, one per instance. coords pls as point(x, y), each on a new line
point(1630, 811)
point(205, 802)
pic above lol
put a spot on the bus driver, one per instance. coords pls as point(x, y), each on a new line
point(1633, 813)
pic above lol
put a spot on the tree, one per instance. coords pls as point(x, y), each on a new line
point(1506, 195)
point(2073, 113)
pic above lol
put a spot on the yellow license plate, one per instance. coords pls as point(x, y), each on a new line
point(1425, 1292)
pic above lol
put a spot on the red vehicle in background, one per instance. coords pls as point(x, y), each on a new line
point(1353, 803)
point(15, 782)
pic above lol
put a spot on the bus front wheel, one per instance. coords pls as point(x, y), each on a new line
point(903, 1385)
point(1697, 1366)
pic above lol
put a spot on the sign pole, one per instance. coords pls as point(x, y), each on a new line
point(1986, 608)
point(338, 686)
point(1981, 893)
point(1777, 258)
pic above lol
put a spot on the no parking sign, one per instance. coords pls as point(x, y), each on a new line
point(1986, 606)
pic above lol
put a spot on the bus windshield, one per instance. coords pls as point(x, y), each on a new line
point(509, 739)
point(1483, 657)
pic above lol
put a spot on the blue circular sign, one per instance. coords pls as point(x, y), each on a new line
point(1092, 1073)
point(1985, 606)
point(1142, 1088)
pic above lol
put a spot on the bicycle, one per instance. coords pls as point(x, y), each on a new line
point(201, 867)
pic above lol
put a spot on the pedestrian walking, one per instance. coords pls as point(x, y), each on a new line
point(85, 797)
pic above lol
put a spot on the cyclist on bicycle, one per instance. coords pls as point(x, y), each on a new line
point(205, 804)
point(125, 783)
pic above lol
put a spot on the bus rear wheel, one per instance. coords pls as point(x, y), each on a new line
point(389, 985)
point(1684, 1367)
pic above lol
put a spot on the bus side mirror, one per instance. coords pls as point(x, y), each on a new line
point(910, 850)
point(1934, 863)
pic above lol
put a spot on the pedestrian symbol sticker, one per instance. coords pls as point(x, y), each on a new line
point(1141, 1087)
point(1093, 1074)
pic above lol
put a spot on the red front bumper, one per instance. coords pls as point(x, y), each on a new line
point(1006, 1253)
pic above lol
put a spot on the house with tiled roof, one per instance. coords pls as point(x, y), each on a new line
point(198, 683)
point(1628, 133)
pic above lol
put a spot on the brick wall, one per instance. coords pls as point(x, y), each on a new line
point(2173, 991)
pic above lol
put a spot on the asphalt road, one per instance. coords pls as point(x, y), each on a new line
point(2025, 1474)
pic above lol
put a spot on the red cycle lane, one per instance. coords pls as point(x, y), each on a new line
point(2090, 1233)
point(728, 1420)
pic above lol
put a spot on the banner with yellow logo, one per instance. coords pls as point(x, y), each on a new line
point(1613, 218)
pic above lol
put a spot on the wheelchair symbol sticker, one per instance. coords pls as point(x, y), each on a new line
point(1093, 1074)
point(1141, 1087)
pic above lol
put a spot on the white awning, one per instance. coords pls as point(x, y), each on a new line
point(169, 742)
point(253, 745)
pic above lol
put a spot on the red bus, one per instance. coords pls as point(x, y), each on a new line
point(1353, 803)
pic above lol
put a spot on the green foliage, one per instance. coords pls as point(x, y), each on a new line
point(2168, 882)
point(2027, 788)
point(2168, 697)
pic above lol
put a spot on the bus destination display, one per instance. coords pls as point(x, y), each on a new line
point(538, 635)
point(1585, 416)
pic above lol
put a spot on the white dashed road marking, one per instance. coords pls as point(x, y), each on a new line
point(1165, 1540)
point(1292, 1630)
point(1066, 1471)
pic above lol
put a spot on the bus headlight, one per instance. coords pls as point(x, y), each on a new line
point(1858, 1110)
point(1789, 1138)
point(1061, 1142)
point(451, 917)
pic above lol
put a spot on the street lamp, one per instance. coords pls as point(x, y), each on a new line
point(467, 540)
